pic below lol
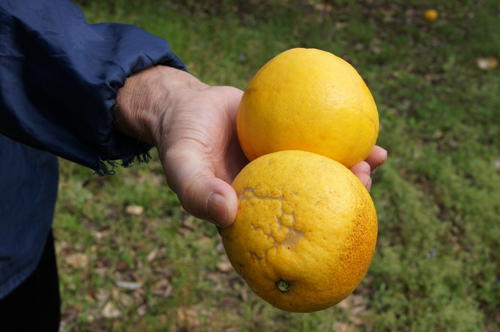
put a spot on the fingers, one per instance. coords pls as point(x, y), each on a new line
point(377, 157)
point(365, 179)
point(362, 167)
point(200, 192)
point(362, 171)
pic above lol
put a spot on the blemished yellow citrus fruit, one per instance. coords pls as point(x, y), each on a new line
point(305, 231)
point(431, 15)
point(310, 100)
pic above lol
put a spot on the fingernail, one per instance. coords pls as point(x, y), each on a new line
point(368, 184)
point(217, 209)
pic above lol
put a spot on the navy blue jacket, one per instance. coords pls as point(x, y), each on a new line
point(58, 81)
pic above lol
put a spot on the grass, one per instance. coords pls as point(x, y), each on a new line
point(437, 262)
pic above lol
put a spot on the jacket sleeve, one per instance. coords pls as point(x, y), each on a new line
point(59, 78)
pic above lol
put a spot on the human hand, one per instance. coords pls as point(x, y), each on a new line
point(193, 126)
point(363, 169)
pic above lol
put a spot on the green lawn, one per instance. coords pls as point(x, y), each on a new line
point(437, 261)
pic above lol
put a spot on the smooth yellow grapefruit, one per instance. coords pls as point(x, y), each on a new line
point(310, 100)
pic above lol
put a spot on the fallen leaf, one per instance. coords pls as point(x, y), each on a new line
point(164, 292)
point(152, 255)
point(220, 246)
point(359, 300)
point(343, 327)
point(101, 270)
point(115, 292)
point(215, 276)
point(138, 295)
point(438, 134)
point(183, 231)
point(160, 284)
point(244, 293)
point(190, 223)
point(135, 210)
point(102, 296)
point(126, 299)
point(205, 241)
point(345, 303)
point(162, 288)
point(78, 260)
point(224, 266)
point(187, 318)
point(111, 311)
point(487, 63)
point(358, 309)
point(129, 285)
point(141, 311)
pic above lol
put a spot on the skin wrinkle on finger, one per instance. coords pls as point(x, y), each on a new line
point(213, 151)
point(361, 167)
point(188, 125)
point(197, 189)
point(213, 141)
point(184, 122)
point(186, 188)
point(184, 166)
point(365, 180)
point(183, 160)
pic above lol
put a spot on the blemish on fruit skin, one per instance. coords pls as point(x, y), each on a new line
point(255, 256)
point(292, 236)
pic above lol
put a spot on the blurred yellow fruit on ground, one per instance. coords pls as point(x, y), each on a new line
point(431, 15)
point(305, 232)
point(310, 100)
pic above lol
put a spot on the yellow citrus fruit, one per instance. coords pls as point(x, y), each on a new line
point(310, 100)
point(431, 15)
point(305, 231)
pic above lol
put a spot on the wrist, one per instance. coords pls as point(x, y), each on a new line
point(144, 104)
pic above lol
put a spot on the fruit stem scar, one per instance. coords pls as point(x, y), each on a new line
point(283, 286)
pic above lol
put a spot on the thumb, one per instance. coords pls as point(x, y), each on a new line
point(201, 193)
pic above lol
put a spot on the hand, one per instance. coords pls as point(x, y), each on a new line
point(193, 126)
point(362, 170)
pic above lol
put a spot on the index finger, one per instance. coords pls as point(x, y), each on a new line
point(377, 157)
